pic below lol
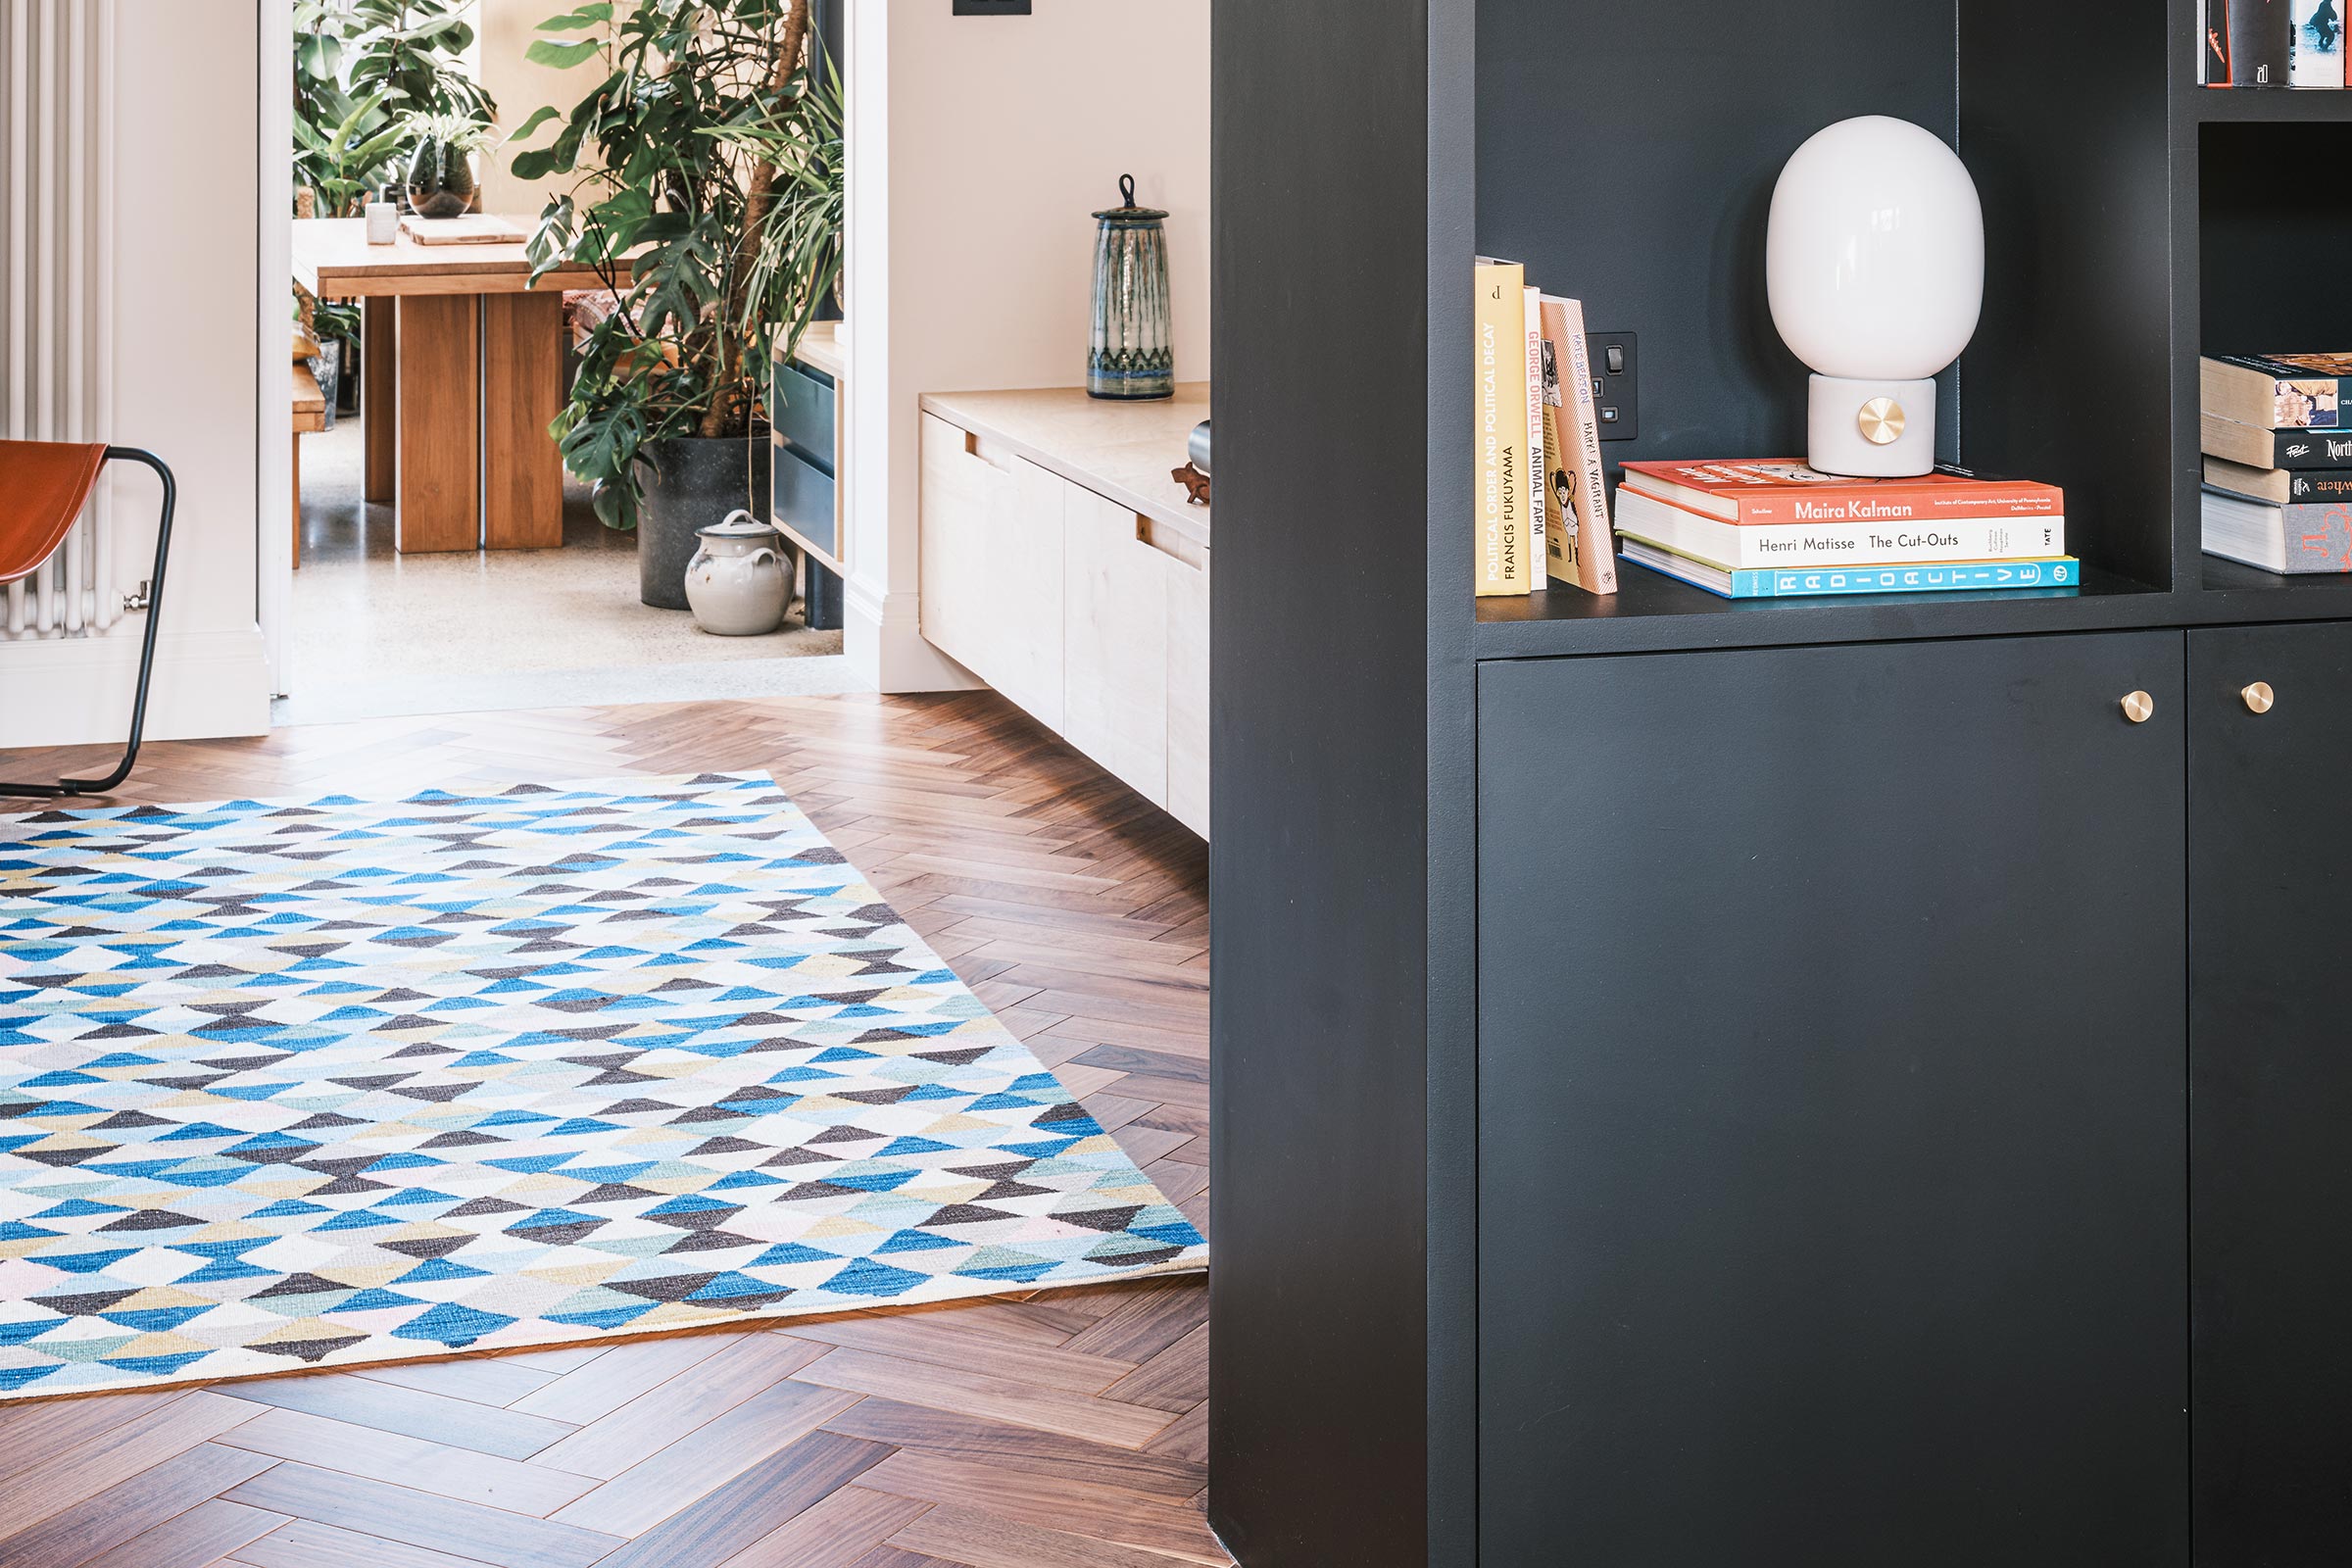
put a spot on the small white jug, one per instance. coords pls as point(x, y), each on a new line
point(736, 581)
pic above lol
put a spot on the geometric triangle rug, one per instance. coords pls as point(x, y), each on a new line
point(343, 1081)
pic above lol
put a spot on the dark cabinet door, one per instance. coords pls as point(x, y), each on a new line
point(2271, 1097)
point(1832, 1126)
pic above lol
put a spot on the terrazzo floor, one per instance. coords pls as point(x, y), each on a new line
point(378, 634)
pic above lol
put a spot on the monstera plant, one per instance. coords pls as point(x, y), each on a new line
point(704, 186)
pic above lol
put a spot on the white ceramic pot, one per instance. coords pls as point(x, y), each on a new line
point(736, 583)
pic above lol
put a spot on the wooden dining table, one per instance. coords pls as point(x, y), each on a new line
point(462, 361)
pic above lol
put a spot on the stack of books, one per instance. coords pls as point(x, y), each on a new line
point(2271, 43)
point(1542, 506)
point(1770, 530)
point(2278, 461)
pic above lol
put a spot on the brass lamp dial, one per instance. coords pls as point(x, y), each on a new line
point(1882, 420)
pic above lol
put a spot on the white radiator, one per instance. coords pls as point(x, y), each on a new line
point(57, 304)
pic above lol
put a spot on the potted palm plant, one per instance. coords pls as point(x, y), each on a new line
point(711, 209)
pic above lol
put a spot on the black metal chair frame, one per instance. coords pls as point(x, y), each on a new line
point(67, 788)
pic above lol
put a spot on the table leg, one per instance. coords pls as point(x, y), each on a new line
point(440, 423)
point(379, 394)
point(522, 389)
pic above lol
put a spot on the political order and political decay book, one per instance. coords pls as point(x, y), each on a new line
point(1505, 565)
point(1579, 547)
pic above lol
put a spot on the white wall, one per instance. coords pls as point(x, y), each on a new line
point(978, 148)
point(186, 370)
point(503, 31)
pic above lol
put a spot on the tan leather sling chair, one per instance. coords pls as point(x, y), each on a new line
point(43, 487)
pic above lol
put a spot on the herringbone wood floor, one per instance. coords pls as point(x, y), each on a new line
point(1060, 1431)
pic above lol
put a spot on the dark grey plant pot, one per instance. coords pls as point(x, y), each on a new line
point(695, 482)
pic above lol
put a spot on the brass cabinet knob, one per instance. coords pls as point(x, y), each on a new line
point(2260, 698)
point(2139, 707)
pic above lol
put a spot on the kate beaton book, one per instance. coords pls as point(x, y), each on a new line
point(1579, 548)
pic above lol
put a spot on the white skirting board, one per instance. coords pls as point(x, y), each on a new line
point(78, 691)
point(883, 636)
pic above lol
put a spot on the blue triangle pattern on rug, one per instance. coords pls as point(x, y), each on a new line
point(341, 1082)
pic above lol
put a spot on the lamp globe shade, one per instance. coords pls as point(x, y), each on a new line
point(1874, 268)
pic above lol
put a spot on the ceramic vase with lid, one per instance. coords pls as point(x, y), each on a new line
point(737, 583)
point(1131, 355)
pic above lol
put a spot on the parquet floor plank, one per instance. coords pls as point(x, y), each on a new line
point(1006, 1446)
point(68, 1477)
point(748, 1365)
point(1078, 911)
point(379, 1455)
point(149, 1496)
point(983, 1394)
point(839, 1532)
point(678, 1473)
point(308, 1543)
point(981, 1539)
point(1081, 1508)
point(435, 1417)
point(421, 1519)
point(756, 1503)
point(202, 1535)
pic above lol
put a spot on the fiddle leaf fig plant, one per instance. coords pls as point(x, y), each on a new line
point(699, 175)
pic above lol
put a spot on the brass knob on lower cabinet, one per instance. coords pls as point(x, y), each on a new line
point(2260, 698)
point(2139, 707)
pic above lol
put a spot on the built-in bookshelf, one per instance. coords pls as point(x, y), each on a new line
point(2133, 219)
point(1390, 750)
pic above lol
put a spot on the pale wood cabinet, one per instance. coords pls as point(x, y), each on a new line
point(992, 567)
point(1115, 643)
point(1090, 614)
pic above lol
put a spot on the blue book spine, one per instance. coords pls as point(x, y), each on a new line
point(1924, 578)
point(1786, 583)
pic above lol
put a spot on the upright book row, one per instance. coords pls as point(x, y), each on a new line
point(1542, 508)
point(2271, 43)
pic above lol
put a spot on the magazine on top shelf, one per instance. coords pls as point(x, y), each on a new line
point(2317, 45)
point(2261, 42)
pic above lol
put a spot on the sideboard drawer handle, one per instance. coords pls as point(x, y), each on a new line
point(2139, 707)
point(2260, 698)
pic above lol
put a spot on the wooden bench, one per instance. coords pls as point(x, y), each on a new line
point(310, 414)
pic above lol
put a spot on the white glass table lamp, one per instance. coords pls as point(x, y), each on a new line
point(1875, 265)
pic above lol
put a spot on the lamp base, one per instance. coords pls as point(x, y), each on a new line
point(1872, 430)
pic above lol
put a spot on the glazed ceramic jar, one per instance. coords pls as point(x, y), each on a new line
point(737, 583)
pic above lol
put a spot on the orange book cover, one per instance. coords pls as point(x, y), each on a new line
point(1787, 492)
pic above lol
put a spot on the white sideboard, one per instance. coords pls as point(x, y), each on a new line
point(1062, 565)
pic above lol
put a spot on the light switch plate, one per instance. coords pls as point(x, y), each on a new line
point(1618, 390)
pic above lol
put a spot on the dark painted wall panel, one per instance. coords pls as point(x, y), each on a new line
point(1318, 861)
point(1627, 153)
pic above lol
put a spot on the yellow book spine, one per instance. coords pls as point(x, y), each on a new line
point(1500, 360)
